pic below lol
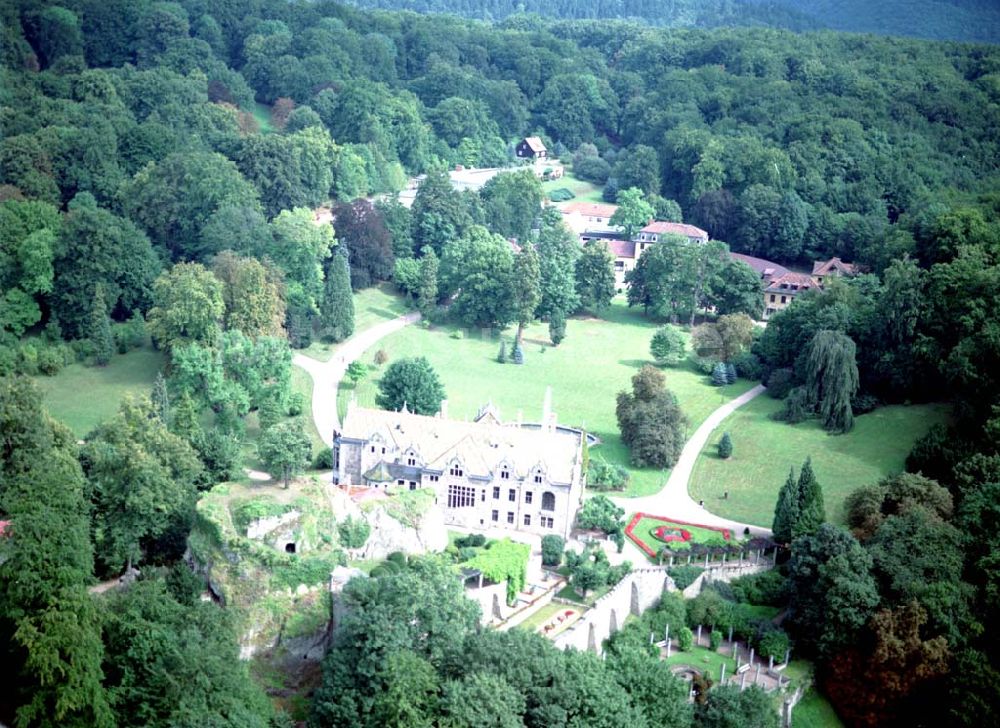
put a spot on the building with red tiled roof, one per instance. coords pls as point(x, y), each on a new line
point(764, 268)
point(584, 217)
point(782, 290)
point(652, 232)
point(833, 267)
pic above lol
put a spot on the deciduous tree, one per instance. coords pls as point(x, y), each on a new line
point(187, 307)
point(595, 276)
point(411, 382)
point(285, 450)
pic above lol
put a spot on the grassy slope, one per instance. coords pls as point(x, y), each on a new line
point(371, 306)
point(815, 711)
point(597, 359)
point(584, 191)
point(763, 451)
point(83, 396)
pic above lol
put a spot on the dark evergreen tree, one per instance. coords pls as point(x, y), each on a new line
point(730, 373)
point(725, 446)
point(811, 511)
point(719, 378)
point(427, 290)
point(99, 331)
point(557, 328)
point(502, 354)
point(161, 399)
point(337, 310)
point(517, 354)
point(786, 510)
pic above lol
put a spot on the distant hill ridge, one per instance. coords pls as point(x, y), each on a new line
point(962, 20)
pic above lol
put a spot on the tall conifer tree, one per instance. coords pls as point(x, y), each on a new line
point(337, 311)
point(786, 511)
point(811, 511)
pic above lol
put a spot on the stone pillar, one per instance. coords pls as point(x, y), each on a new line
point(751, 655)
point(730, 633)
point(698, 640)
point(668, 648)
point(722, 673)
point(723, 559)
point(756, 677)
point(743, 681)
point(650, 638)
point(706, 561)
point(666, 634)
point(788, 653)
point(770, 662)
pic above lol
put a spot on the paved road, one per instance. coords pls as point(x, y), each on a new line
point(673, 500)
point(326, 375)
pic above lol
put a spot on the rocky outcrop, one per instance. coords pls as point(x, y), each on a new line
point(389, 535)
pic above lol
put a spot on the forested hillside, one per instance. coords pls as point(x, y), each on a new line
point(966, 20)
point(159, 166)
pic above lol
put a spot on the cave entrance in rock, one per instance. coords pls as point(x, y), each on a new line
point(290, 547)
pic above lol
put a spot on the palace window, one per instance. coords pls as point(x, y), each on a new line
point(456, 470)
point(547, 522)
point(496, 492)
point(548, 502)
point(772, 298)
point(433, 478)
point(510, 518)
point(538, 478)
point(512, 495)
point(504, 473)
point(527, 520)
point(495, 516)
point(411, 461)
point(527, 497)
point(461, 496)
point(782, 299)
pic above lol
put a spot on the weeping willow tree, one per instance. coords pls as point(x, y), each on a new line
point(832, 378)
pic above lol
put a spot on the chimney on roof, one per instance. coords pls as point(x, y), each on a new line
point(443, 412)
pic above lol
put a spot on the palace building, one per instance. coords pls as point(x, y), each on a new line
point(485, 473)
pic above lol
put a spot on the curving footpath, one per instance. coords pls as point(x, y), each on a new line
point(673, 500)
point(326, 375)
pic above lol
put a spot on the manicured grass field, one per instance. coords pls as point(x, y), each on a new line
point(584, 191)
point(543, 615)
point(371, 306)
point(764, 450)
point(82, 397)
point(302, 383)
point(596, 360)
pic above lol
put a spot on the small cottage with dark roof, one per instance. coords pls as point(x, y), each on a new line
point(531, 148)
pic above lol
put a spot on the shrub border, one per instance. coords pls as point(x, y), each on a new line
point(630, 530)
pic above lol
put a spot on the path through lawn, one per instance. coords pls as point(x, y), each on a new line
point(596, 360)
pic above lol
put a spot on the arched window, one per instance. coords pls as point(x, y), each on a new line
point(548, 501)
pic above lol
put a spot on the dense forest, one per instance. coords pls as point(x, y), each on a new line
point(965, 20)
point(140, 193)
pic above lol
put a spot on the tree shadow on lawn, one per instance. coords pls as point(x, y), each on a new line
point(634, 363)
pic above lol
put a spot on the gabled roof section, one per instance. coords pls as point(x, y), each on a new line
point(793, 282)
point(481, 446)
point(766, 269)
point(834, 266)
point(379, 473)
point(659, 227)
point(534, 144)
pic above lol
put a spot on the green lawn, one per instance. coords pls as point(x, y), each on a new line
point(584, 191)
point(302, 382)
point(262, 113)
point(815, 711)
point(371, 306)
point(83, 397)
point(764, 450)
point(595, 361)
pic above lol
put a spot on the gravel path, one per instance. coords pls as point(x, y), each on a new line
point(326, 375)
point(673, 500)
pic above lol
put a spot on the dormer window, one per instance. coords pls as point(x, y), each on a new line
point(456, 470)
point(504, 473)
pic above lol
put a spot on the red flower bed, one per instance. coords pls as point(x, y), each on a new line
point(684, 534)
point(667, 534)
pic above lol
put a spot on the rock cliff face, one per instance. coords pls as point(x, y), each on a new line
point(389, 535)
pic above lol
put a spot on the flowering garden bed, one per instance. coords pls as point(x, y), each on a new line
point(650, 533)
